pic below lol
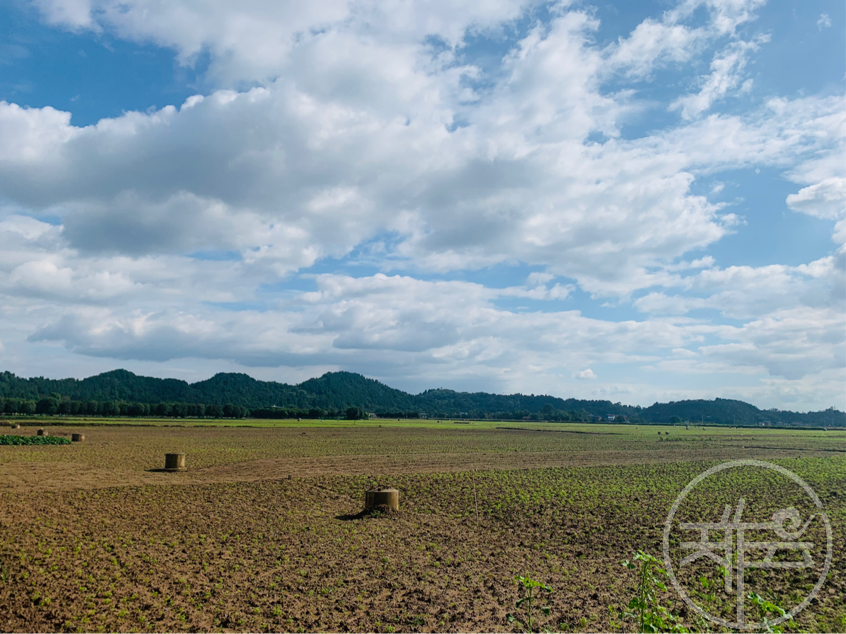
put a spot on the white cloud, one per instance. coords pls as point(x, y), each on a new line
point(661, 304)
point(73, 14)
point(300, 170)
point(287, 179)
point(44, 277)
point(24, 228)
point(824, 22)
point(744, 292)
point(257, 40)
point(727, 15)
point(792, 344)
point(652, 43)
point(826, 199)
point(583, 375)
point(726, 73)
point(443, 323)
point(31, 134)
point(254, 40)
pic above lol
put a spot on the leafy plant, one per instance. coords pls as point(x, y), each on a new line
point(651, 616)
point(34, 440)
point(527, 602)
point(766, 608)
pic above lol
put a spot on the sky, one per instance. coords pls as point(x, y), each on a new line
point(631, 201)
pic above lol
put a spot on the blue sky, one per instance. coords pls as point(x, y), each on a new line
point(633, 201)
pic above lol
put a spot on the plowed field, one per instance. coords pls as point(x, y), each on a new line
point(264, 531)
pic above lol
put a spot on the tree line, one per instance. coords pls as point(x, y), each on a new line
point(349, 413)
point(59, 406)
point(118, 409)
point(548, 413)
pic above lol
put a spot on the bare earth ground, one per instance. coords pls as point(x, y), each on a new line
point(263, 532)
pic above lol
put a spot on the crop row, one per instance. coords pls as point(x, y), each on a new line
point(33, 440)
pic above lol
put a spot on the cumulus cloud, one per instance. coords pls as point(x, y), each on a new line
point(584, 375)
point(257, 40)
point(300, 170)
point(743, 292)
point(826, 199)
point(456, 201)
point(791, 344)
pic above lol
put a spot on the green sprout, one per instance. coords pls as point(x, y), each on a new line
point(527, 602)
point(651, 616)
point(767, 607)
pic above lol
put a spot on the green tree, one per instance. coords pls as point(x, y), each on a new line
point(48, 406)
point(137, 409)
point(214, 411)
point(179, 410)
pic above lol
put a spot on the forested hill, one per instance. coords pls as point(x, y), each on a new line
point(345, 389)
point(122, 385)
point(336, 391)
point(333, 390)
point(442, 400)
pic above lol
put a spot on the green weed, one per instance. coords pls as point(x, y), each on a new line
point(527, 602)
point(650, 615)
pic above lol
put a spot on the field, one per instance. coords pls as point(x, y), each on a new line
point(264, 531)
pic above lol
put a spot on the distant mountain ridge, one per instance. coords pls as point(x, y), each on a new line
point(339, 390)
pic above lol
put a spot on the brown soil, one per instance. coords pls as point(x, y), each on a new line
point(93, 538)
point(125, 456)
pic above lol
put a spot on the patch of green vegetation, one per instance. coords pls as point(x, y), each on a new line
point(34, 440)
